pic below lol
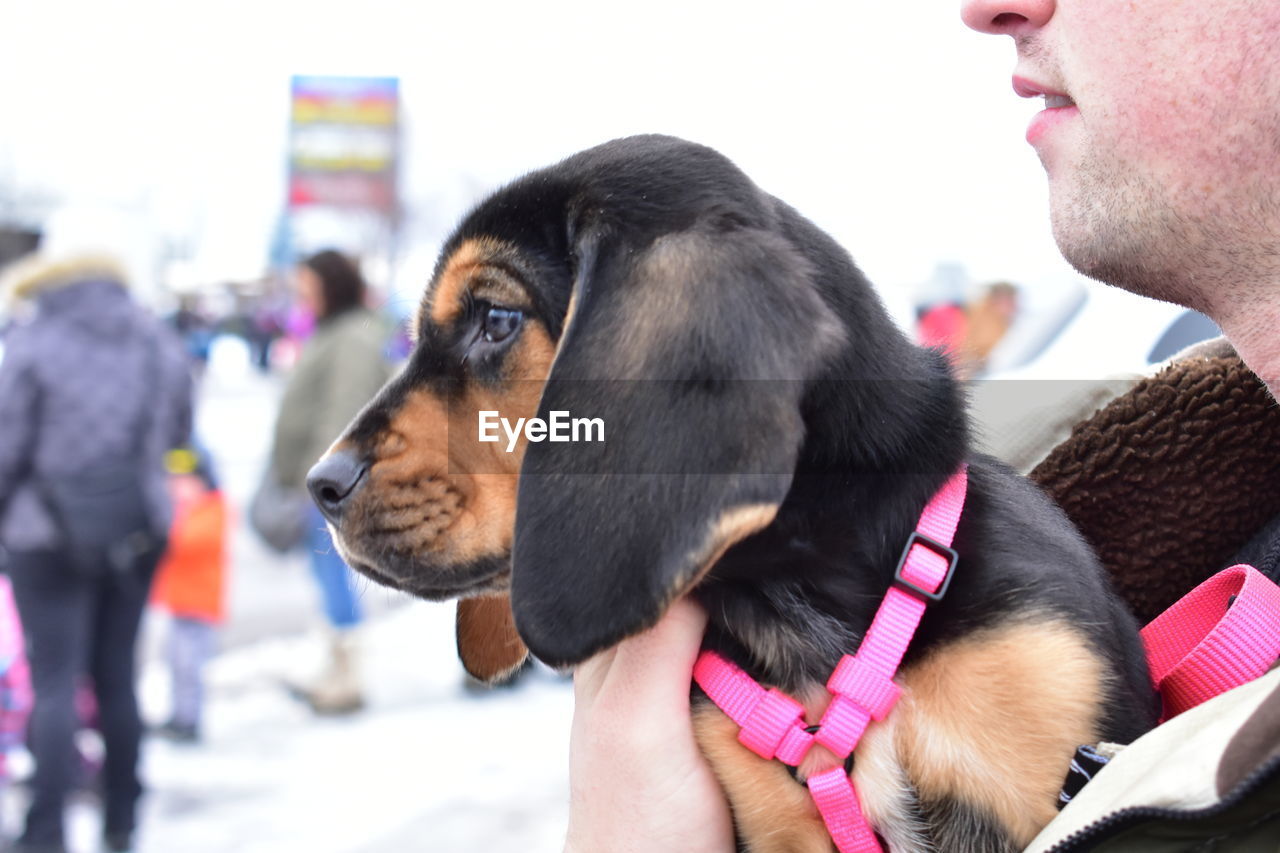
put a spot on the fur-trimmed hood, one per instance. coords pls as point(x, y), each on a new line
point(37, 273)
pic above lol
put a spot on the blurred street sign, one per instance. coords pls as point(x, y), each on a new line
point(344, 143)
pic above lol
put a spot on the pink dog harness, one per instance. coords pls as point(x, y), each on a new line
point(861, 686)
point(1222, 634)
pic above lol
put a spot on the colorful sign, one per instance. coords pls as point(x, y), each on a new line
point(344, 142)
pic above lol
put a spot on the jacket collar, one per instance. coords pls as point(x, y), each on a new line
point(36, 274)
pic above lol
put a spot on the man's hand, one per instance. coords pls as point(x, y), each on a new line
point(637, 781)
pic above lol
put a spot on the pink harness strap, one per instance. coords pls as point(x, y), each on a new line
point(1223, 633)
point(862, 685)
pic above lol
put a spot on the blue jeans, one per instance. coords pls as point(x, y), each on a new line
point(335, 578)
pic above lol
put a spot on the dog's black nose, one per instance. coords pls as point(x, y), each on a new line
point(334, 479)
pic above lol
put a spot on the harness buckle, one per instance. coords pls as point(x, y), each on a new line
point(918, 538)
point(795, 771)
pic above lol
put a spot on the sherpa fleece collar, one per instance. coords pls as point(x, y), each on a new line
point(1170, 480)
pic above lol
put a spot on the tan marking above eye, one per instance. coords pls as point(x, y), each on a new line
point(472, 267)
point(500, 290)
point(445, 297)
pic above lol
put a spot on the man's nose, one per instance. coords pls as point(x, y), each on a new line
point(1006, 17)
point(333, 480)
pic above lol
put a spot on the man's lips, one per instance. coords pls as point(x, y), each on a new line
point(1059, 107)
point(1028, 88)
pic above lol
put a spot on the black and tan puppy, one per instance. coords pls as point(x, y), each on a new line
point(769, 438)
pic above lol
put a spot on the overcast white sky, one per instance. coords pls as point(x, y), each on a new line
point(888, 123)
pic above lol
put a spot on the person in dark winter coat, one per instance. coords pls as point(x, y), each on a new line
point(88, 376)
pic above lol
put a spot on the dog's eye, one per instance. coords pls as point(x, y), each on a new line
point(500, 323)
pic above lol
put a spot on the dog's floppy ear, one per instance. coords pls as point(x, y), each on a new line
point(488, 645)
point(693, 351)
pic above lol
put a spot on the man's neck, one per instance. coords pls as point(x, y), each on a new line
point(1254, 330)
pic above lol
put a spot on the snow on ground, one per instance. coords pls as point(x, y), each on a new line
point(427, 766)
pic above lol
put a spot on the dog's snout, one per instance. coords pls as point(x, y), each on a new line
point(333, 480)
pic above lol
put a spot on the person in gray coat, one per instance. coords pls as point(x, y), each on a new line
point(88, 376)
point(341, 367)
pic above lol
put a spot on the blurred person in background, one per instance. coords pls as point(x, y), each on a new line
point(16, 697)
point(264, 329)
point(987, 321)
point(942, 325)
point(195, 328)
point(941, 320)
point(340, 368)
point(93, 391)
point(191, 584)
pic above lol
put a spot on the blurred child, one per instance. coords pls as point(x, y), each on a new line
point(191, 584)
point(989, 317)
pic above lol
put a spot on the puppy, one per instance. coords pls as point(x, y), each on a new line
point(769, 439)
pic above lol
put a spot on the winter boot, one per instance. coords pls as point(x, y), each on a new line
point(337, 690)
